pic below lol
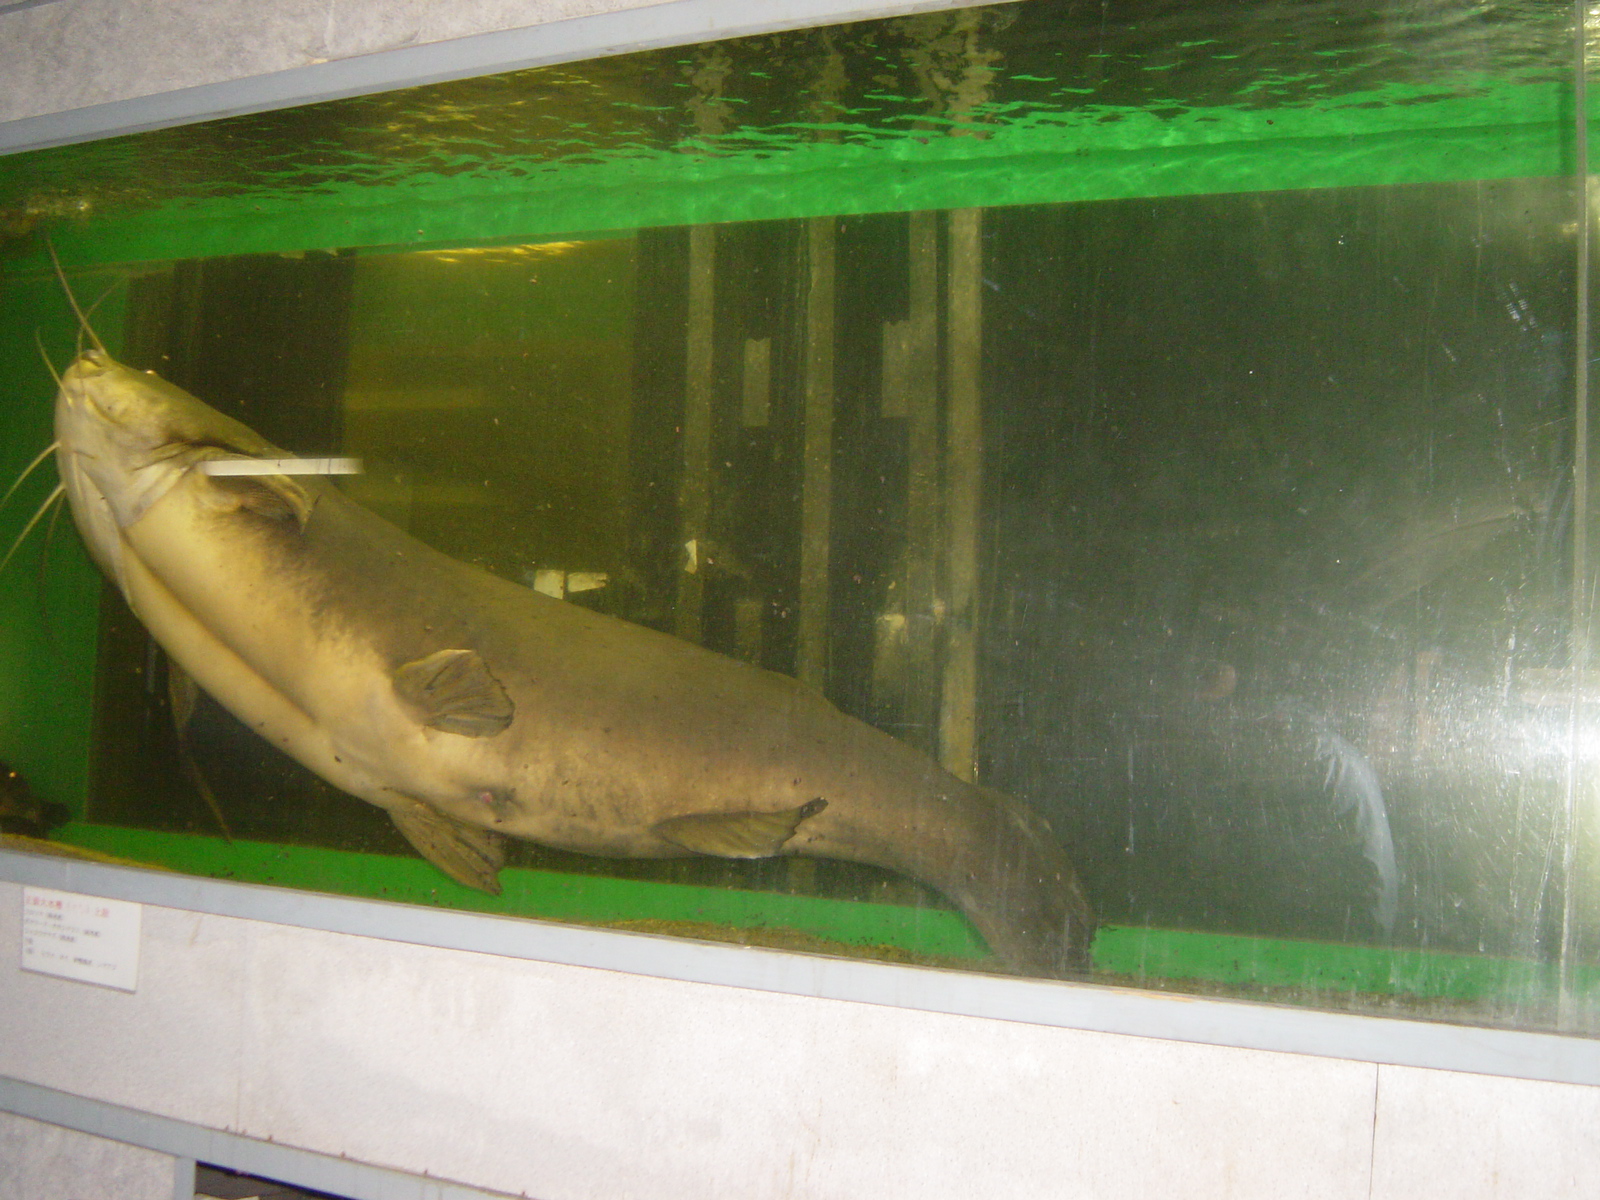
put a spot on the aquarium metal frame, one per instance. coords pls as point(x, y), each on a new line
point(602, 35)
point(190, 1144)
point(1240, 1024)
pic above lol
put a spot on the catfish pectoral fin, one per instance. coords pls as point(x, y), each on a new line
point(276, 497)
point(464, 852)
point(739, 834)
point(454, 691)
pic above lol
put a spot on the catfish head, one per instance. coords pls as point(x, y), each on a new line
point(127, 438)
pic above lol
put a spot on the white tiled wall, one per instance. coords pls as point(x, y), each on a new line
point(571, 1083)
point(1471, 1137)
point(579, 1083)
point(44, 1162)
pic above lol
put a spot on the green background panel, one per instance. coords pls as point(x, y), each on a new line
point(1283, 963)
point(1287, 967)
point(591, 899)
point(49, 591)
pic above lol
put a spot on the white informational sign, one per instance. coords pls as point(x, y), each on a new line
point(81, 937)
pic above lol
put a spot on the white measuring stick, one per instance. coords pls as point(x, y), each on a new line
point(281, 466)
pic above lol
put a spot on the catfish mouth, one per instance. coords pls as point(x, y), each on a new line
point(88, 394)
point(141, 421)
point(90, 365)
point(126, 438)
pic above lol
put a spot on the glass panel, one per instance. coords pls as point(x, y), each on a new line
point(1153, 433)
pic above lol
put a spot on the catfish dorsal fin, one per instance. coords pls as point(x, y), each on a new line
point(454, 691)
point(737, 834)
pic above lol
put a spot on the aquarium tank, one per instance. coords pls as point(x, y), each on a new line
point(1125, 459)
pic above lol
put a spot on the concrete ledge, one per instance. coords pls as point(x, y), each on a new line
point(1080, 1006)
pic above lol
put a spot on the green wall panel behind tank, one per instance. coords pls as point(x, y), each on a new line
point(49, 591)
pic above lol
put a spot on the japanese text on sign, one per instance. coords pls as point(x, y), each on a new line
point(87, 938)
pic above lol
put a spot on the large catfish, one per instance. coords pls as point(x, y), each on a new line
point(470, 708)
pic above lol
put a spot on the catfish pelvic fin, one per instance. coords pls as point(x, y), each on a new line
point(737, 834)
point(183, 694)
point(464, 852)
point(454, 691)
